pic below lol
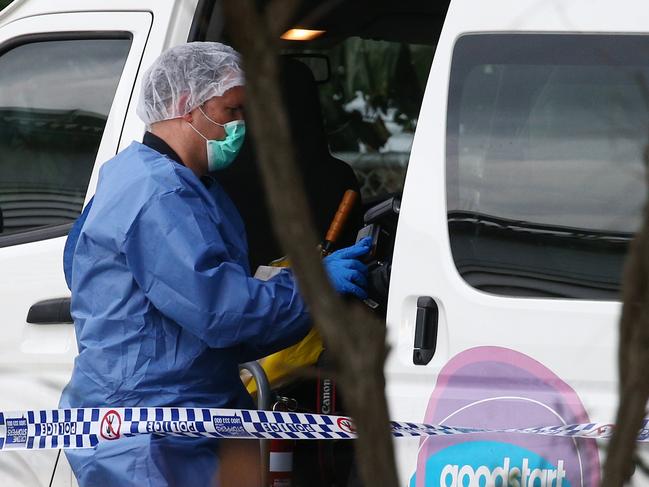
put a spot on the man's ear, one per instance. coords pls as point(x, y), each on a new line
point(188, 117)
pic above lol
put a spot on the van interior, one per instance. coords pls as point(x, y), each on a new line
point(353, 95)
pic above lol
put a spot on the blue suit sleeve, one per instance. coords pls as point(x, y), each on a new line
point(180, 261)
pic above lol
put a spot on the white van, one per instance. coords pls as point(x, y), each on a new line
point(522, 125)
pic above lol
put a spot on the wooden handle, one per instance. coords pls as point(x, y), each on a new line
point(344, 209)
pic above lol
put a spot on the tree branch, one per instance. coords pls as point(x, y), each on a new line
point(355, 338)
point(633, 357)
point(278, 15)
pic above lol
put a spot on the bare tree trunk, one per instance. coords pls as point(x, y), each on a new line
point(355, 338)
point(633, 357)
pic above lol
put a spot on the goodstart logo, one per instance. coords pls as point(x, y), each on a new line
point(517, 472)
point(110, 425)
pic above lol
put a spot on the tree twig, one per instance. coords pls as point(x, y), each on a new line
point(355, 338)
point(633, 358)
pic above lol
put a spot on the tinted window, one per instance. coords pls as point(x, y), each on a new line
point(55, 97)
point(545, 175)
point(371, 106)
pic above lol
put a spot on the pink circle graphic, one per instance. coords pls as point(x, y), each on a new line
point(493, 387)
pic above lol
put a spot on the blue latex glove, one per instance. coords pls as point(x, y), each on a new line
point(347, 274)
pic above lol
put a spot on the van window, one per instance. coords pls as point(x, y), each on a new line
point(371, 106)
point(55, 96)
point(545, 181)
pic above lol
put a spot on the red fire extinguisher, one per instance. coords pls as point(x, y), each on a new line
point(280, 461)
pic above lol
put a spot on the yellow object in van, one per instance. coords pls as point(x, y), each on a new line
point(282, 365)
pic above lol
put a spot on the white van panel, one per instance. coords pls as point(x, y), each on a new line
point(36, 360)
point(574, 341)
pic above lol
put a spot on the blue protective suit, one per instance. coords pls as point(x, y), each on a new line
point(165, 310)
point(71, 243)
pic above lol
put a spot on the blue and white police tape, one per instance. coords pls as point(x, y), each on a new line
point(85, 428)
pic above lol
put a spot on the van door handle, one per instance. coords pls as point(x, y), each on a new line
point(50, 312)
point(425, 330)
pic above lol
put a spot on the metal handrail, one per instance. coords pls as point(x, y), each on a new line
point(264, 398)
point(263, 386)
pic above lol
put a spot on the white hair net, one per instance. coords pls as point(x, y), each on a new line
point(186, 76)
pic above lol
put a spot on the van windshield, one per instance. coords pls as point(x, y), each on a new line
point(546, 136)
point(370, 108)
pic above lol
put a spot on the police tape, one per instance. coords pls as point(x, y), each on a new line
point(86, 427)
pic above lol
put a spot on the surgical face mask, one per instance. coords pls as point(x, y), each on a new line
point(221, 153)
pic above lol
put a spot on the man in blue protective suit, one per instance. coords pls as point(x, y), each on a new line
point(163, 301)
